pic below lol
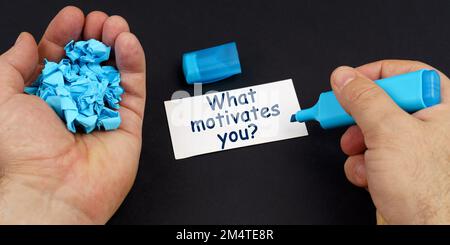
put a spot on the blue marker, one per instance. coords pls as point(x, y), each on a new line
point(411, 91)
point(211, 64)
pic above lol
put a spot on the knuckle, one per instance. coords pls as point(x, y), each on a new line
point(362, 95)
point(418, 63)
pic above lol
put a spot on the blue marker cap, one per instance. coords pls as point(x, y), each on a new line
point(411, 91)
point(211, 64)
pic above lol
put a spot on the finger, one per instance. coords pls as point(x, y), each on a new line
point(352, 141)
point(367, 103)
point(18, 64)
point(355, 170)
point(130, 60)
point(93, 27)
point(112, 28)
point(66, 26)
point(388, 68)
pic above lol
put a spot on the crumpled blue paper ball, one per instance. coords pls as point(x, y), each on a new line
point(82, 92)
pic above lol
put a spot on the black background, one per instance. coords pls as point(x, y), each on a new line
point(297, 181)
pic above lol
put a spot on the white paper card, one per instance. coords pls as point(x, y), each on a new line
point(241, 117)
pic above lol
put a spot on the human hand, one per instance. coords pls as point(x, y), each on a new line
point(403, 160)
point(47, 174)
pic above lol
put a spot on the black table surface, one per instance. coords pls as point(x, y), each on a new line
point(297, 181)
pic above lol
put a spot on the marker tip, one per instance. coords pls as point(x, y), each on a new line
point(293, 118)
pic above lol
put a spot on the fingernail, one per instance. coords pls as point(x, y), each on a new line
point(19, 38)
point(343, 76)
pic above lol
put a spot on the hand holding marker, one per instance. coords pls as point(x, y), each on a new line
point(411, 91)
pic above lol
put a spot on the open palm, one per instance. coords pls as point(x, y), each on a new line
point(47, 174)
